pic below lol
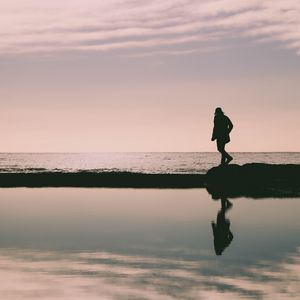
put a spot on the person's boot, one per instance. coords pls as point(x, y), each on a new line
point(229, 159)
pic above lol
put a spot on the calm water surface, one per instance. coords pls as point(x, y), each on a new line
point(147, 162)
point(145, 244)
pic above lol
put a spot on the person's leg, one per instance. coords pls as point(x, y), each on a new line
point(225, 204)
point(227, 156)
point(221, 149)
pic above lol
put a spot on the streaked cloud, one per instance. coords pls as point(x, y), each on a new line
point(35, 26)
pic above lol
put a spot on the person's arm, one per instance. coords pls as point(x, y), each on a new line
point(213, 136)
point(214, 131)
point(230, 125)
point(213, 226)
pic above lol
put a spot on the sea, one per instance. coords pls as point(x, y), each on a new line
point(140, 162)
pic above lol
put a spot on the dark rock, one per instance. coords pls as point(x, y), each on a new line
point(254, 180)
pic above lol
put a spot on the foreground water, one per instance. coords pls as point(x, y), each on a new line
point(145, 244)
point(148, 162)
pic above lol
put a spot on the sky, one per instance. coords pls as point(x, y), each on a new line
point(120, 75)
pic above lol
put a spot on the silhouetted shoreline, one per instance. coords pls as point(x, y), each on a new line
point(103, 179)
point(249, 180)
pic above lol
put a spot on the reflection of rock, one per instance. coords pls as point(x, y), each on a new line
point(254, 180)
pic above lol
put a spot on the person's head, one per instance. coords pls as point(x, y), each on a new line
point(219, 111)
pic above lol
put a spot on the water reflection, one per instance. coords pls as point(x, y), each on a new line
point(146, 244)
point(221, 228)
point(102, 275)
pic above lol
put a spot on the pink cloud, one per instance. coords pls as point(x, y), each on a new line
point(51, 26)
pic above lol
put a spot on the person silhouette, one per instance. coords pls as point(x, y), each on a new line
point(221, 230)
point(221, 131)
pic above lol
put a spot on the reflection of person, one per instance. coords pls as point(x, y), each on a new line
point(221, 230)
point(222, 129)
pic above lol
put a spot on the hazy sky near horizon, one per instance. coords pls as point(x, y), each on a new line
point(120, 75)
